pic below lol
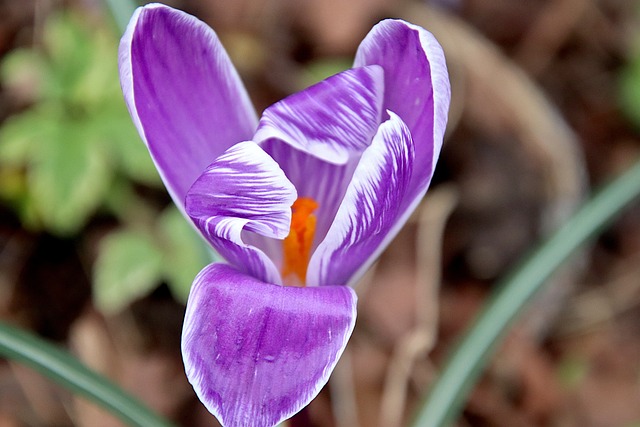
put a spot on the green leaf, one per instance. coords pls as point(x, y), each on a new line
point(465, 365)
point(99, 82)
point(59, 366)
point(185, 252)
point(64, 152)
point(572, 371)
point(68, 178)
point(68, 47)
point(121, 10)
point(128, 150)
point(321, 69)
point(629, 78)
point(630, 90)
point(19, 134)
point(128, 267)
point(25, 72)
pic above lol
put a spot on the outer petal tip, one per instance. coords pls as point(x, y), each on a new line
point(416, 87)
point(257, 353)
point(184, 95)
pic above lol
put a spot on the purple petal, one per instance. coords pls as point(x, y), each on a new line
point(416, 89)
point(326, 183)
point(371, 213)
point(183, 93)
point(257, 353)
point(243, 191)
point(330, 120)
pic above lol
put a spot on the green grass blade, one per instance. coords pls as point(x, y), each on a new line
point(121, 10)
point(61, 367)
point(466, 363)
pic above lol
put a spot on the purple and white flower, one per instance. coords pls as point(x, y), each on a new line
point(299, 202)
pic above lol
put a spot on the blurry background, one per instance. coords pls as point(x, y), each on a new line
point(545, 106)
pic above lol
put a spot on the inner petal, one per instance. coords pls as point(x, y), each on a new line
point(243, 192)
point(324, 182)
point(372, 211)
point(317, 136)
point(331, 120)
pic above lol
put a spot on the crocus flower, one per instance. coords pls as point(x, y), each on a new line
point(299, 203)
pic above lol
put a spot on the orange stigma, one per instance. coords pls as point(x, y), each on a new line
point(297, 245)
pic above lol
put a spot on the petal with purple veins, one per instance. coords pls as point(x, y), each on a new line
point(257, 353)
point(416, 89)
point(331, 120)
point(243, 190)
point(370, 214)
point(326, 183)
point(183, 93)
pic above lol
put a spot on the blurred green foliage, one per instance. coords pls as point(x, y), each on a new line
point(132, 262)
point(630, 89)
point(74, 152)
point(572, 371)
point(630, 79)
point(60, 156)
point(323, 68)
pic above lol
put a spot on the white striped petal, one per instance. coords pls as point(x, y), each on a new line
point(331, 120)
point(370, 214)
point(243, 190)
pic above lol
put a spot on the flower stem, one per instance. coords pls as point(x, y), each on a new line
point(61, 367)
point(465, 365)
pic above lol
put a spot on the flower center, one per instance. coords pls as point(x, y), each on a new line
point(297, 245)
